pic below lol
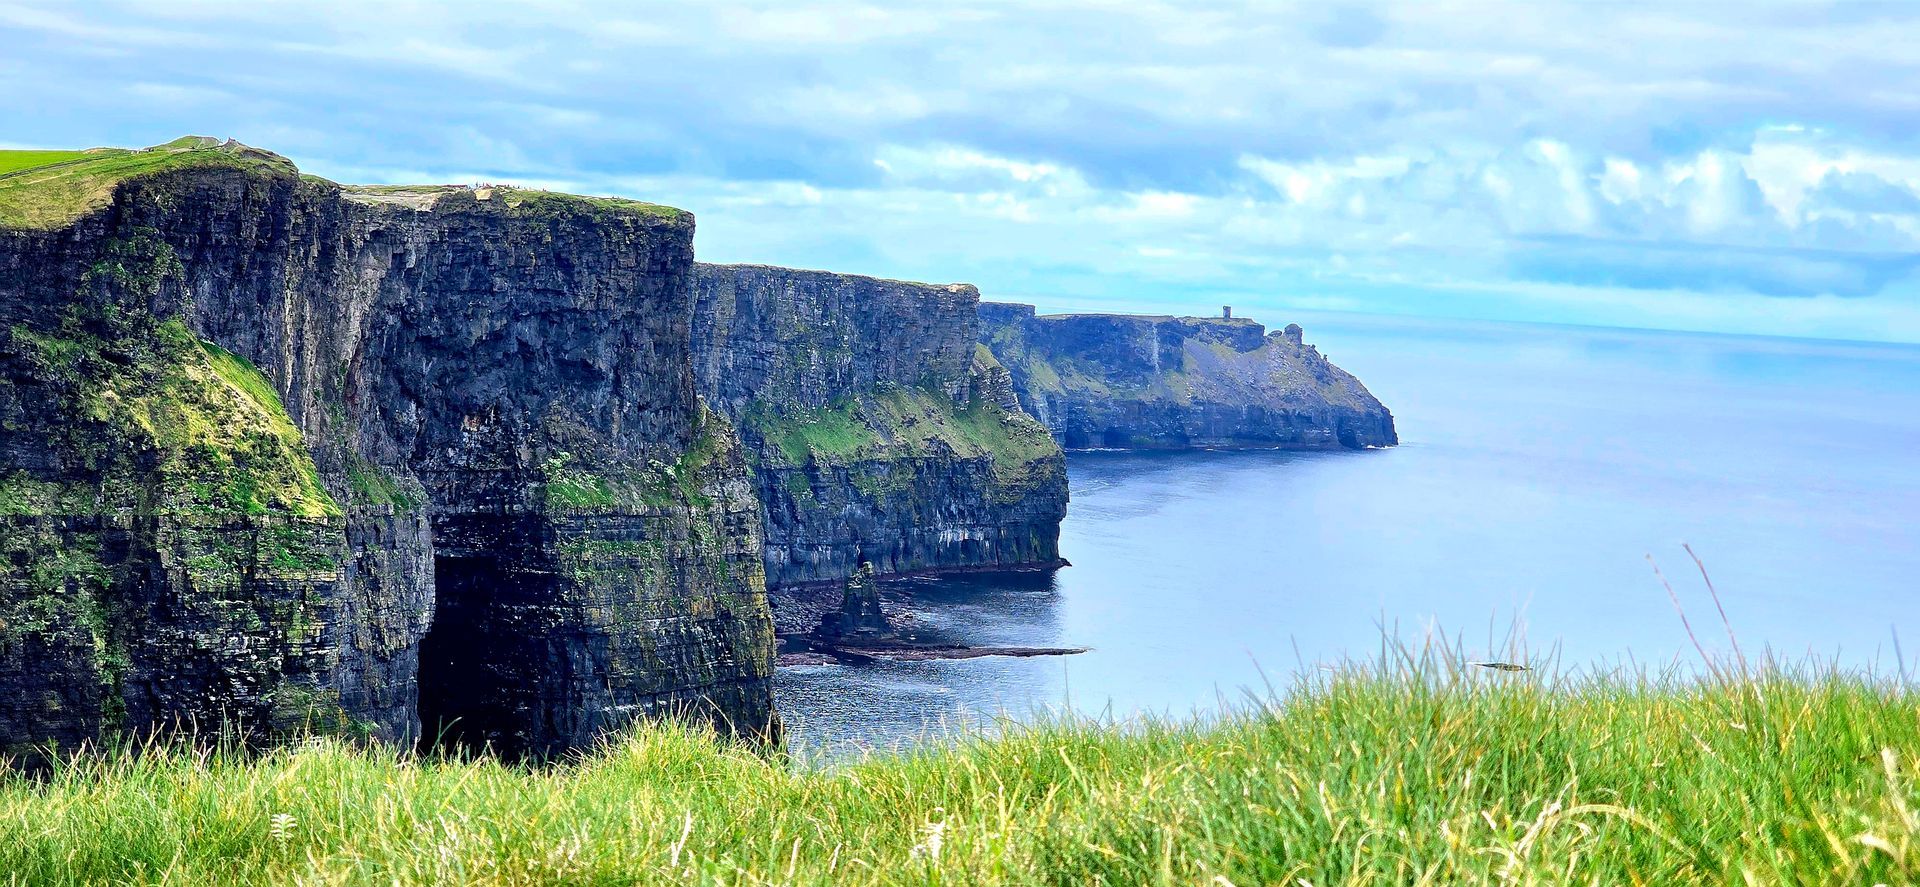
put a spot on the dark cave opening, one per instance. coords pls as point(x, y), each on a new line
point(465, 702)
point(485, 667)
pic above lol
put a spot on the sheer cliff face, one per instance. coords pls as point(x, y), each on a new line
point(877, 427)
point(274, 454)
point(1119, 381)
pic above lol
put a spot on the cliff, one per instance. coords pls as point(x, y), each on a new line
point(877, 428)
point(1119, 381)
point(277, 453)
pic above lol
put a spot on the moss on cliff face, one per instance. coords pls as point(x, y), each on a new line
point(170, 424)
point(64, 583)
point(23, 495)
point(369, 485)
point(183, 454)
point(55, 600)
point(160, 512)
point(864, 432)
point(632, 589)
point(166, 423)
point(895, 422)
point(838, 431)
point(575, 485)
point(906, 478)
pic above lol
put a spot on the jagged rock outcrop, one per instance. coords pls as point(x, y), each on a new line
point(878, 429)
point(860, 615)
point(1135, 381)
point(275, 453)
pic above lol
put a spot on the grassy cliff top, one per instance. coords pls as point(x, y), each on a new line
point(533, 200)
point(1148, 318)
point(14, 161)
point(781, 271)
point(48, 190)
point(51, 189)
point(522, 200)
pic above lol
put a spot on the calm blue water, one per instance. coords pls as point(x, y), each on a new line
point(1539, 467)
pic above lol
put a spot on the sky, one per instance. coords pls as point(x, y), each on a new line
point(1728, 167)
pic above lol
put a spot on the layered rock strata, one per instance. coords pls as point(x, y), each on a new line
point(878, 429)
point(1134, 381)
point(276, 453)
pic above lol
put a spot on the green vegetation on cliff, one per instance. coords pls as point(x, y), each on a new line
point(525, 201)
point(48, 190)
point(898, 421)
point(1434, 774)
point(834, 432)
point(371, 485)
point(534, 201)
point(141, 419)
point(62, 583)
point(170, 424)
point(872, 432)
point(573, 484)
point(53, 195)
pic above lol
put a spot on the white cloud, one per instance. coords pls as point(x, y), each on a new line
point(1699, 153)
point(1303, 182)
point(1621, 181)
point(963, 166)
point(836, 23)
point(176, 94)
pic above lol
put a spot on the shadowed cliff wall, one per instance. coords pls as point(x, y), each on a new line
point(877, 428)
point(254, 427)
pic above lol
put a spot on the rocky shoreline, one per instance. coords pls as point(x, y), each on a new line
point(908, 652)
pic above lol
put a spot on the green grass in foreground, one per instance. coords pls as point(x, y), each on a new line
point(1428, 774)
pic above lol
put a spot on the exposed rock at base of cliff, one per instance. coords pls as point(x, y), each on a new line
point(859, 615)
point(878, 429)
point(276, 454)
point(1134, 381)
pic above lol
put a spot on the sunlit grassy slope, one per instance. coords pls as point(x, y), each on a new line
point(15, 161)
point(1424, 772)
point(50, 189)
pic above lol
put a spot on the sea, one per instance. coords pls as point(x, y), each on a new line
point(1548, 484)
